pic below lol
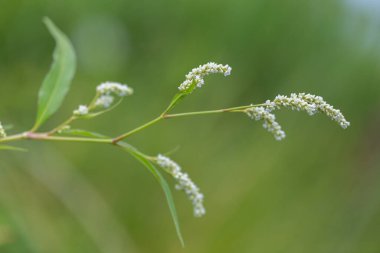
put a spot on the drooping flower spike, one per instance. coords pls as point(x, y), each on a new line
point(312, 104)
point(184, 183)
point(270, 123)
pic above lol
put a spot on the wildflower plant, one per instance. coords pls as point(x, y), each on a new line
point(110, 94)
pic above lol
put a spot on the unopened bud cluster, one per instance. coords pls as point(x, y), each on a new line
point(183, 183)
point(2, 131)
point(107, 89)
point(81, 111)
point(195, 77)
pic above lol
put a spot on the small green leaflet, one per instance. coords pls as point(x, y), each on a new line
point(57, 82)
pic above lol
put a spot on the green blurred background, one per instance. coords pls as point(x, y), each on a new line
point(316, 191)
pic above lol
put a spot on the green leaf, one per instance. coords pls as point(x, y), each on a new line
point(81, 132)
point(57, 82)
point(142, 159)
point(12, 148)
point(161, 180)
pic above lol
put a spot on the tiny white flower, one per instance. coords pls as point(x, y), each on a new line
point(104, 101)
point(118, 89)
point(195, 77)
point(2, 131)
point(184, 183)
point(82, 110)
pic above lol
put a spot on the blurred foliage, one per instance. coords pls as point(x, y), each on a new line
point(316, 191)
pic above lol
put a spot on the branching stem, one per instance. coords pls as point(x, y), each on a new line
point(49, 136)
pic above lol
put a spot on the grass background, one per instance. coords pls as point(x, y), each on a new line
point(316, 191)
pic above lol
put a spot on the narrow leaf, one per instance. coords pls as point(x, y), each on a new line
point(161, 180)
point(12, 148)
point(57, 82)
point(81, 132)
point(144, 161)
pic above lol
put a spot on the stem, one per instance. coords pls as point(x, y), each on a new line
point(68, 121)
point(74, 139)
point(47, 137)
point(166, 116)
point(123, 136)
point(232, 109)
point(13, 137)
point(73, 117)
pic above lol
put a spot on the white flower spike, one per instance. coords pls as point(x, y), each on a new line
point(183, 183)
point(195, 77)
point(309, 103)
point(300, 102)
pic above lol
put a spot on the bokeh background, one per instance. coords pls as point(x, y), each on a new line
point(316, 191)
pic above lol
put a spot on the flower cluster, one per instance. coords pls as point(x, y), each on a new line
point(106, 89)
point(300, 102)
point(2, 131)
point(104, 101)
point(81, 111)
point(270, 123)
point(195, 77)
point(183, 183)
point(309, 103)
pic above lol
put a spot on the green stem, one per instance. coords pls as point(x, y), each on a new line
point(166, 116)
point(123, 136)
point(74, 139)
point(61, 126)
point(232, 109)
point(13, 137)
point(47, 137)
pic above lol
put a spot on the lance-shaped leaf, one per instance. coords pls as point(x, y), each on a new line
point(161, 180)
point(57, 82)
point(147, 164)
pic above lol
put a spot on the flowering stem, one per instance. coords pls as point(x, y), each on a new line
point(49, 135)
point(232, 109)
point(166, 116)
